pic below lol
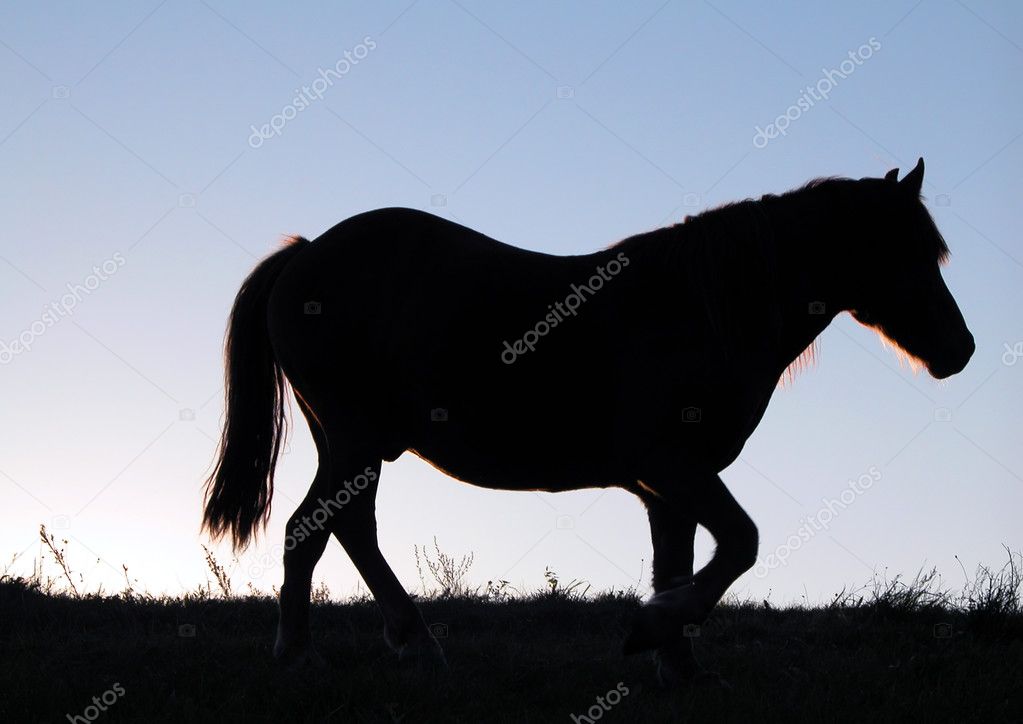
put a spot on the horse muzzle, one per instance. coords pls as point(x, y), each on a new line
point(954, 362)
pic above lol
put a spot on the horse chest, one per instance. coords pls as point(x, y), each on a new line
point(709, 418)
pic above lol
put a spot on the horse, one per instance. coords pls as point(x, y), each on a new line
point(644, 366)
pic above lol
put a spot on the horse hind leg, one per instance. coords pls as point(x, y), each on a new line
point(405, 631)
point(342, 501)
point(304, 543)
point(354, 479)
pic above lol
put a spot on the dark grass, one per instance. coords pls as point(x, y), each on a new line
point(892, 655)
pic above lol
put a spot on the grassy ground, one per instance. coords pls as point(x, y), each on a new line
point(901, 653)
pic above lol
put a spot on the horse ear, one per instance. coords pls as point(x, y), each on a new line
point(892, 175)
point(914, 180)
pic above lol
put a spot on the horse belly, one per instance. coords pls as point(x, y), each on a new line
point(517, 440)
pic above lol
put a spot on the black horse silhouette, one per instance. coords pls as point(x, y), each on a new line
point(645, 366)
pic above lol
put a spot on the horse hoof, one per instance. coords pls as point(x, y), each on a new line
point(663, 616)
point(299, 658)
point(424, 653)
point(645, 633)
point(712, 680)
point(675, 669)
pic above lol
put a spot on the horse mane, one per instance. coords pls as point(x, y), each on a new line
point(806, 359)
point(736, 243)
point(875, 191)
point(728, 261)
point(727, 256)
point(931, 234)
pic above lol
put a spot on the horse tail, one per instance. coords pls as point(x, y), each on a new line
point(239, 490)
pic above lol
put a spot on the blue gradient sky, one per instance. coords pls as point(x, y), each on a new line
point(125, 132)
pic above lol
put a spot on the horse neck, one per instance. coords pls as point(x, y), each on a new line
point(809, 271)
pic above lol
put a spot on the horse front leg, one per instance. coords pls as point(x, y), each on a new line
point(672, 533)
point(705, 498)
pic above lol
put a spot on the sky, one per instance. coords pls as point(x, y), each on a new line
point(153, 152)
